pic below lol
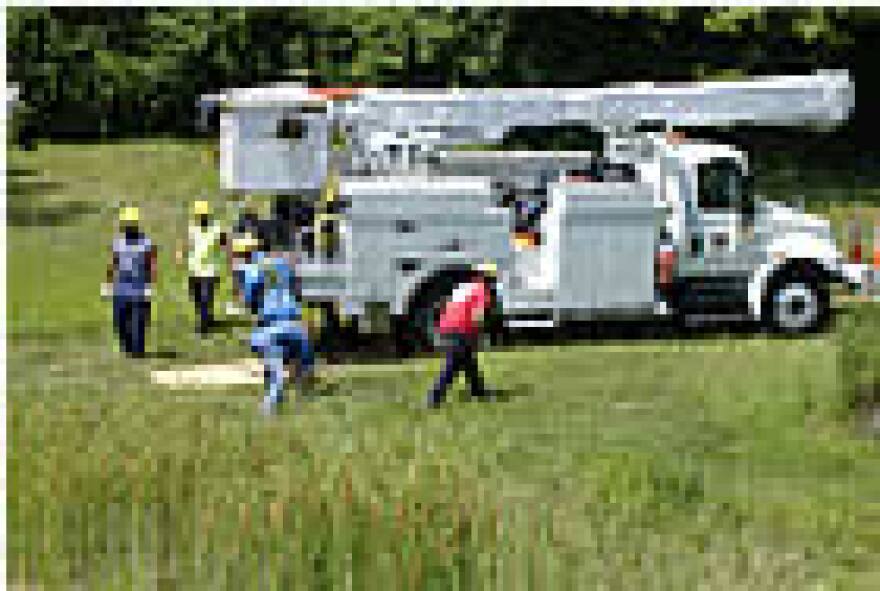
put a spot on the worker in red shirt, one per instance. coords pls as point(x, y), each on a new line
point(460, 324)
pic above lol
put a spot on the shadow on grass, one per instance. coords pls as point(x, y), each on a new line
point(13, 172)
point(163, 353)
point(597, 332)
point(29, 215)
point(381, 349)
point(501, 395)
point(16, 187)
point(25, 208)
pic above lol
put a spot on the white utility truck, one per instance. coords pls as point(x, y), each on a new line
point(655, 225)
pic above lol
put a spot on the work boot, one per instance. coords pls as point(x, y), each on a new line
point(433, 402)
point(487, 395)
point(309, 386)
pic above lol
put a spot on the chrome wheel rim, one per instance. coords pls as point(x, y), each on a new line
point(795, 306)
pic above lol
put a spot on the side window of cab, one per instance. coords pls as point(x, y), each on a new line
point(720, 185)
point(723, 186)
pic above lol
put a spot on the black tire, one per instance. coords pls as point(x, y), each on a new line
point(678, 319)
point(333, 340)
point(797, 301)
point(414, 331)
point(404, 338)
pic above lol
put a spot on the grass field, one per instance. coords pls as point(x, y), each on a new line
point(658, 463)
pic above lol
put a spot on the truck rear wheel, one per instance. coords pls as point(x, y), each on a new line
point(415, 331)
point(797, 302)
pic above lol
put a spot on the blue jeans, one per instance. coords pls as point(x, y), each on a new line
point(131, 315)
point(461, 356)
point(201, 290)
point(279, 344)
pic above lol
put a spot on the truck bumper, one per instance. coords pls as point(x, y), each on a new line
point(861, 279)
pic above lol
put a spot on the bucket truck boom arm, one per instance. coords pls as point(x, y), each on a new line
point(390, 122)
point(469, 115)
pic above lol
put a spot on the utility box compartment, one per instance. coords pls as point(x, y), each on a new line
point(403, 228)
point(607, 243)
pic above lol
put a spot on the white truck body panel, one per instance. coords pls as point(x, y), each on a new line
point(255, 159)
point(402, 229)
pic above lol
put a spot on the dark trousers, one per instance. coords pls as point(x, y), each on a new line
point(329, 341)
point(461, 356)
point(201, 290)
point(131, 315)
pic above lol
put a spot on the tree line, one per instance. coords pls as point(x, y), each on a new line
point(111, 72)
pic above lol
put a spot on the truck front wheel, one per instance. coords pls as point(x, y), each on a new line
point(797, 302)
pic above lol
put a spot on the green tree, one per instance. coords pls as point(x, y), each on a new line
point(140, 70)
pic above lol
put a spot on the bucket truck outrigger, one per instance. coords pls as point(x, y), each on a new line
point(573, 234)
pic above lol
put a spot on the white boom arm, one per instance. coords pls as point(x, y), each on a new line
point(388, 123)
point(486, 114)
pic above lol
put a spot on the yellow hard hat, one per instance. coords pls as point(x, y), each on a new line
point(129, 215)
point(244, 244)
point(201, 208)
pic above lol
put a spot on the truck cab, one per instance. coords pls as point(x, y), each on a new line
point(742, 256)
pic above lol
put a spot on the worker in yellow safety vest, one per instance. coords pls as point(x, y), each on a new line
point(204, 257)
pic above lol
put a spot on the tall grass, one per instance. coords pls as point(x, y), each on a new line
point(860, 360)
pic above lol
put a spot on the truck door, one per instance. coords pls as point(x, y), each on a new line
point(719, 215)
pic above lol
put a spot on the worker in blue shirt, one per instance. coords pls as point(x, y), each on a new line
point(279, 337)
point(130, 277)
